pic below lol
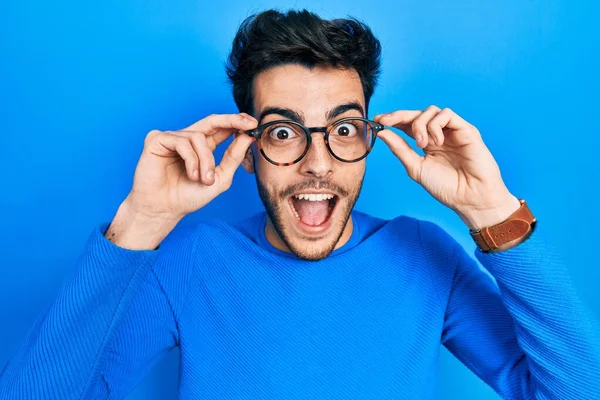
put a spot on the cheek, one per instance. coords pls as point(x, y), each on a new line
point(353, 175)
point(273, 177)
point(263, 169)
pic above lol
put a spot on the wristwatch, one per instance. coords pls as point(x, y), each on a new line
point(507, 233)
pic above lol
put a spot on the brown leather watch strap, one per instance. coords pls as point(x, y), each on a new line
point(501, 236)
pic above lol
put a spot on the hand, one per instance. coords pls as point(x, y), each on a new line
point(457, 169)
point(176, 172)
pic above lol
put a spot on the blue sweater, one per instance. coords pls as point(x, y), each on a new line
point(253, 322)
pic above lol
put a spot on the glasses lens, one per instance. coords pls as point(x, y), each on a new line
point(351, 139)
point(283, 142)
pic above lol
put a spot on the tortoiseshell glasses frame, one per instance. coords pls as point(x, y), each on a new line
point(258, 131)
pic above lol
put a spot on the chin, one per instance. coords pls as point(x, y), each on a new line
point(313, 240)
point(309, 218)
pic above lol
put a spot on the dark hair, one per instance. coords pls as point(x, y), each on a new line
point(271, 38)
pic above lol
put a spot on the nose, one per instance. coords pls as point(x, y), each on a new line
point(317, 162)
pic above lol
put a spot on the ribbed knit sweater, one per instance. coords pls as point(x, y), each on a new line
point(367, 322)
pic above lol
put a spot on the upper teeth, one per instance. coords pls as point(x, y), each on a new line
point(314, 197)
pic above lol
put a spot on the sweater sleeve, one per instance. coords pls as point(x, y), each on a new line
point(529, 336)
point(110, 322)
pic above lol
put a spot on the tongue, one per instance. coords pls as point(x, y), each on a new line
point(312, 212)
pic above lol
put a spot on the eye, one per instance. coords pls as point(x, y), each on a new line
point(282, 133)
point(347, 129)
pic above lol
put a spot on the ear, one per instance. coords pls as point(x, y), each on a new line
point(248, 161)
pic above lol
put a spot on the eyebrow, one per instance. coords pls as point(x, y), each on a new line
point(298, 116)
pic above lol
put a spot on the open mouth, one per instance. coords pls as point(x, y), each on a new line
point(313, 209)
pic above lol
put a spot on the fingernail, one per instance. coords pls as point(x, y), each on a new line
point(195, 174)
point(419, 138)
point(210, 175)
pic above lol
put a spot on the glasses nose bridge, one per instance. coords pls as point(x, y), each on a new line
point(322, 129)
point(317, 158)
point(318, 129)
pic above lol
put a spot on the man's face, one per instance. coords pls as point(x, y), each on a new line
point(308, 228)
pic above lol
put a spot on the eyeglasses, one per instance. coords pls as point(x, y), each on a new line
point(286, 142)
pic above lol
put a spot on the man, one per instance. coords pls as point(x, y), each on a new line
point(311, 299)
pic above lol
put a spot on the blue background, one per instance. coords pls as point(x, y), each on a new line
point(82, 84)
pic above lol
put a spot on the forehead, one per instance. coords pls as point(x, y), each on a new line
point(312, 91)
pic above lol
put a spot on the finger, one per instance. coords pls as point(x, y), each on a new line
point(437, 124)
point(419, 127)
point(219, 137)
point(212, 141)
point(232, 158)
point(401, 119)
point(463, 132)
point(223, 125)
point(455, 121)
point(248, 116)
point(409, 158)
point(183, 147)
point(398, 119)
point(206, 158)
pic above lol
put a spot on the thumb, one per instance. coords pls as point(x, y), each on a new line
point(232, 158)
point(409, 157)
